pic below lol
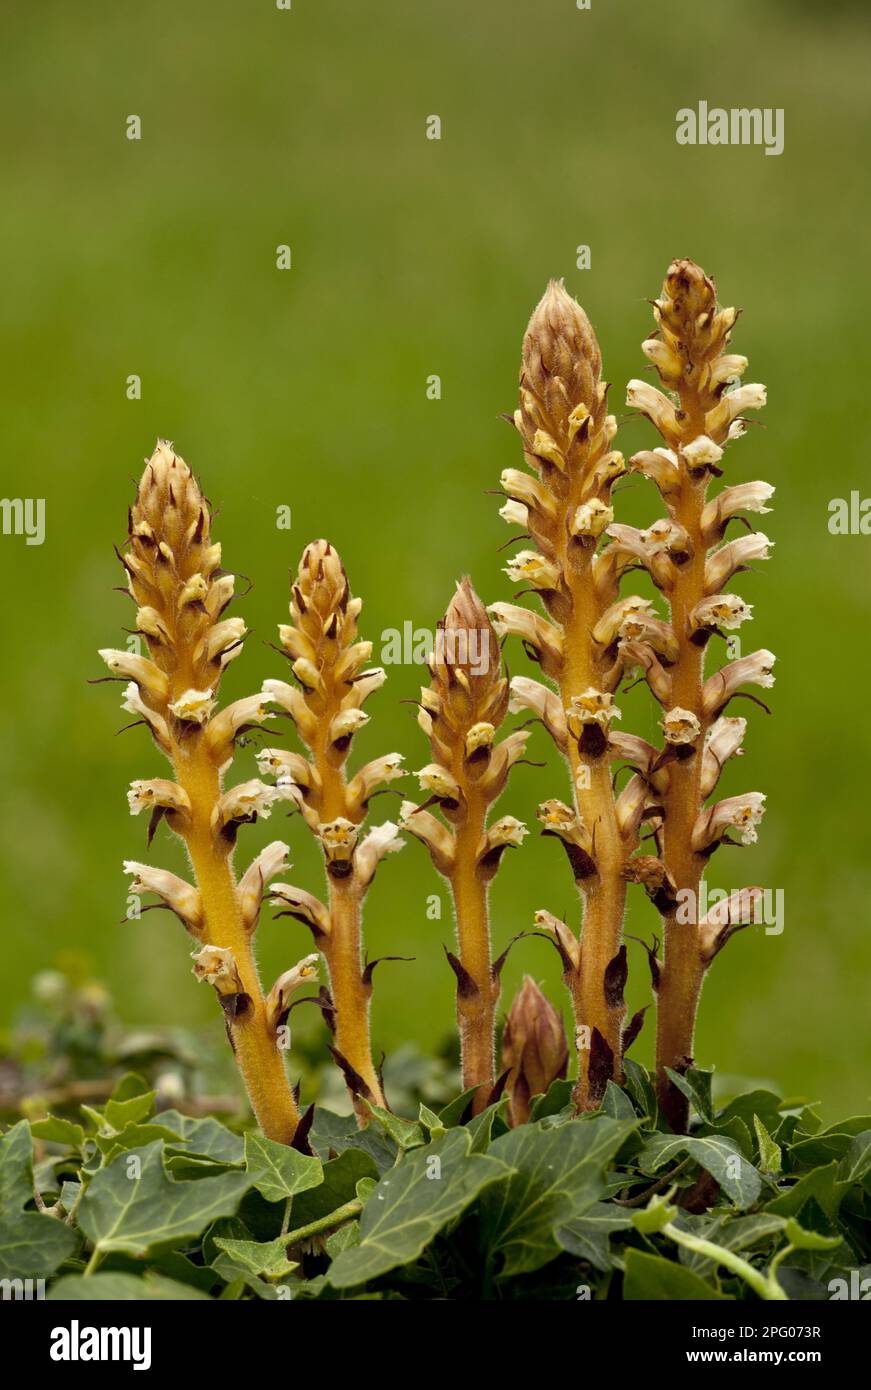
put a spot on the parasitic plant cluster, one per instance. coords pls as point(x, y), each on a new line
point(591, 637)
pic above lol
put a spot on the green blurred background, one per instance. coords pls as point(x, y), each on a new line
point(308, 388)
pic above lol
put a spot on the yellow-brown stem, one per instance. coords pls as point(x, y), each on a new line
point(343, 952)
point(343, 948)
point(475, 1011)
point(604, 893)
point(254, 1044)
point(682, 972)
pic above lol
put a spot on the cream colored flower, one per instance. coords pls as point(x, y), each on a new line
point(529, 567)
point(193, 707)
point(250, 800)
point(591, 707)
point(515, 513)
point(508, 830)
point(438, 839)
point(224, 640)
point(479, 736)
point(438, 781)
point(680, 726)
point(742, 813)
point(216, 965)
point(158, 792)
point(592, 518)
point(381, 841)
point(702, 451)
point(546, 447)
point(145, 673)
point(640, 395)
point(726, 611)
point(178, 895)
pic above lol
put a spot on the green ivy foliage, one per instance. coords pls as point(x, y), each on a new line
point(757, 1201)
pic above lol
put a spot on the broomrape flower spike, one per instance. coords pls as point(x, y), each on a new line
point(699, 414)
point(580, 556)
point(461, 712)
point(332, 681)
point(174, 576)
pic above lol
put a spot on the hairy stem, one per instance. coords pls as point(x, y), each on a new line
point(343, 952)
point(682, 973)
point(604, 894)
point(475, 1011)
point(258, 1057)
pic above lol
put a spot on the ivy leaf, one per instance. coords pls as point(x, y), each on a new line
point(481, 1126)
point(857, 1160)
point(406, 1134)
point(176, 1266)
point(278, 1171)
point(658, 1214)
point(58, 1131)
point(640, 1087)
point(557, 1174)
point(589, 1237)
point(430, 1120)
point(819, 1188)
point(129, 1085)
point(452, 1114)
point(770, 1156)
point(142, 1215)
point(118, 1114)
point(718, 1155)
point(69, 1194)
point(616, 1103)
point(343, 1239)
point(746, 1107)
point(809, 1240)
point(734, 1128)
point(412, 1203)
point(208, 1137)
point(652, 1278)
point(32, 1244)
point(116, 1288)
point(335, 1133)
point(341, 1177)
point(133, 1136)
point(557, 1098)
point(696, 1086)
point(268, 1258)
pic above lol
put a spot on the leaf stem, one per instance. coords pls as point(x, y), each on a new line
point(326, 1223)
point(766, 1287)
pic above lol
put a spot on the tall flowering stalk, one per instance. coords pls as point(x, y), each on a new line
point(332, 683)
point(461, 711)
point(181, 593)
point(564, 506)
point(691, 562)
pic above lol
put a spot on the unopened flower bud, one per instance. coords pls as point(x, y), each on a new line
point(534, 1049)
